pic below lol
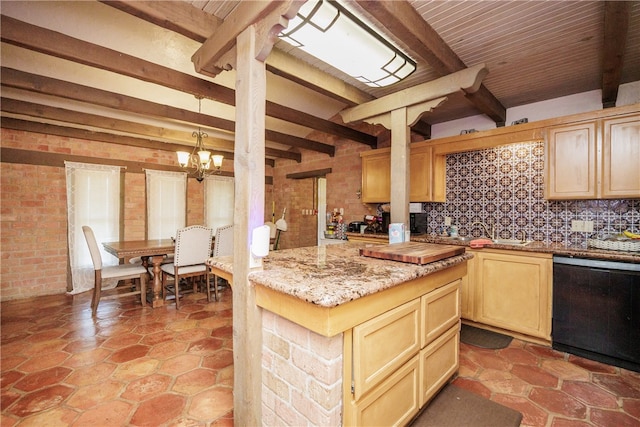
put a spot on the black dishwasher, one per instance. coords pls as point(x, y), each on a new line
point(596, 310)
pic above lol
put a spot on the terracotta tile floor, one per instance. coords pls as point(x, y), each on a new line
point(139, 366)
point(551, 388)
point(130, 366)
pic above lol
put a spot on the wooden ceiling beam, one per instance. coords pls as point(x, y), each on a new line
point(410, 28)
point(223, 146)
point(53, 43)
point(44, 85)
point(47, 158)
point(71, 132)
point(616, 27)
point(49, 86)
point(177, 16)
point(223, 39)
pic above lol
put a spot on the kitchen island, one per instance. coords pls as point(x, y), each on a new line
point(353, 340)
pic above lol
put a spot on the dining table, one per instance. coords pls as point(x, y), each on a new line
point(151, 251)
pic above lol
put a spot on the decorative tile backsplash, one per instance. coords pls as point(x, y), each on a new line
point(504, 187)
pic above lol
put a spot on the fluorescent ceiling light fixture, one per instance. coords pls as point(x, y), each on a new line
point(328, 31)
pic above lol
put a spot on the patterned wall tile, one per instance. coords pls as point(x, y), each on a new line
point(504, 187)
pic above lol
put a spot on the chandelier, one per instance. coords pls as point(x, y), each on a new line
point(200, 160)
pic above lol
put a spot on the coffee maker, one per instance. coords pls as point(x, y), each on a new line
point(386, 220)
point(418, 223)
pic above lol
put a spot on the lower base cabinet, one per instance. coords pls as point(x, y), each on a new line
point(510, 291)
point(394, 402)
point(401, 358)
point(438, 362)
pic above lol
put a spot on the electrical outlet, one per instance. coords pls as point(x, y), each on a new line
point(577, 225)
point(447, 220)
point(588, 227)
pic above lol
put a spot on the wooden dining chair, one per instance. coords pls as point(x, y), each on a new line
point(222, 246)
point(115, 272)
point(193, 248)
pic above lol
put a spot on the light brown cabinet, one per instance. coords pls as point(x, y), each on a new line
point(596, 159)
point(383, 344)
point(376, 176)
point(467, 289)
point(426, 176)
point(510, 291)
point(420, 168)
point(402, 357)
point(621, 157)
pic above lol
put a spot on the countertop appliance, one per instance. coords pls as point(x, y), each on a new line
point(418, 223)
point(354, 227)
point(596, 310)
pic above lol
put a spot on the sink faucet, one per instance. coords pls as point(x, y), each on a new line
point(488, 229)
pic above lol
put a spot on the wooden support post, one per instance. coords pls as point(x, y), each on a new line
point(400, 140)
point(249, 213)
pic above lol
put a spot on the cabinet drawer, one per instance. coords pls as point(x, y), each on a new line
point(393, 402)
point(383, 344)
point(440, 311)
point(438, 362)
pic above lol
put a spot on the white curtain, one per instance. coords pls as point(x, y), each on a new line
point(166, 203)
point(218, 201)
point(93, 199)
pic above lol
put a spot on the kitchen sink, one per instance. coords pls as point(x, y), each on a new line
point(512, 242)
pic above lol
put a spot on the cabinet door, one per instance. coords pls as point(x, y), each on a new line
point(438, 362)
point(571, 162)
point(467, 289)
point(420, 174)
point(513, 292)
point(392, 403)
point(382, 344)
point(440, 310)
point(621, 158)
point(376, 177)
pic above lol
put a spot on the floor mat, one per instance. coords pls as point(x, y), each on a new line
point(456, 407)
point(483, 338)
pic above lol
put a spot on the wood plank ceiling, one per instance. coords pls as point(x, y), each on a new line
point(121, 71)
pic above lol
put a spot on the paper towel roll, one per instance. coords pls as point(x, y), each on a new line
point(260, 241)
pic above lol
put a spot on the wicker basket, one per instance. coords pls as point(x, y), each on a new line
point(615, 245)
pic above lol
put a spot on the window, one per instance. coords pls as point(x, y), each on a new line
point(93, 199)
point(218, 201)
point(166, 203)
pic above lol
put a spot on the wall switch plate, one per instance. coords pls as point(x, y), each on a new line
point(447, 220)
point(588, 226)
point(577, 225)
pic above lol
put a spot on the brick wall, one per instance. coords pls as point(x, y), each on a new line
point(33, 238)
point(343, 182)
point(33, 233)
point(301, 375)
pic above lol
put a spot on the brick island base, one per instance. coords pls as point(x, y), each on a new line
point(376, 360)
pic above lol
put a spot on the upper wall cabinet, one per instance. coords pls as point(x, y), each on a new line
point(621, 157)
point(426, 180)
point(376, 176)
point(571, 161)
point(597, 159)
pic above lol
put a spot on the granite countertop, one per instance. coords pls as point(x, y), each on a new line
point(554, 248)
point(328, 276)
